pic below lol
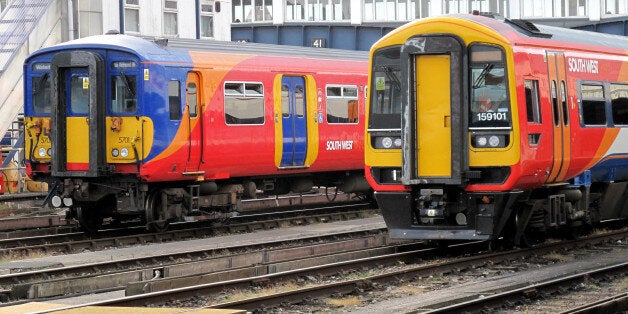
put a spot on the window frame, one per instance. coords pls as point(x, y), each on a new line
point(135, 7)
point(582, 99)
point(613, 103)
point(170, 11)
point(244, 94)
point(341, 97)
point(533, 102)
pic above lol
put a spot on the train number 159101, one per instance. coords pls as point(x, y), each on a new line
point(491, 116)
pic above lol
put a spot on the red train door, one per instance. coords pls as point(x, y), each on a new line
point(195, 125)
point(560, 117)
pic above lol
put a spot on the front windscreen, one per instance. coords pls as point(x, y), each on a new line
point(490, 106)
point(385, 111)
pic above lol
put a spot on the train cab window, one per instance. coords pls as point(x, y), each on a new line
point(174, 100)
point(244, 103)
point(593, 105)
point(619, 103)
point(532, 101)
point(123, 93)
point(490, 106)
point(79, 94)
point(385, 106)
point(342, 104)
point(41, 93)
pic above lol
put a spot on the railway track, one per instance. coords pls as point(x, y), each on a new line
point(204, 295)
point(42, 223)
point(133, 235)
point(234, 261)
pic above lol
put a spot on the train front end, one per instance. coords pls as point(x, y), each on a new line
point(441, 140)
point(84, 130)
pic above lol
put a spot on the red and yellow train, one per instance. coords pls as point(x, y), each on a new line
point(486, 128)
point(123, 126)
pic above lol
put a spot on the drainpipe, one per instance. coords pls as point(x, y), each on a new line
point(70, 19)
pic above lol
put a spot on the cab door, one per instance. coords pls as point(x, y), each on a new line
point(195, 129)
point(294, 123)
point(560, 112)
point(77, 122)
point(78, 111)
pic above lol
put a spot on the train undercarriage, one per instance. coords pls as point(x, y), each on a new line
point(159, 204)
point(514, 218)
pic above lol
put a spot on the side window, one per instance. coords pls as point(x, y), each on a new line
point(342, 104)
point(244, 103)
point(174, 100)
point(619, 103)
point(593, 104)
point(532, 101)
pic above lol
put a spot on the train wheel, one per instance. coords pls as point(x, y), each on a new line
point(88, 217)
point(155, 221)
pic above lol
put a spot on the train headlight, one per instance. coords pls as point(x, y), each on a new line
point(41, 152)
point(124, 152)
point(49, 151)
point(56, 201)
point(490, 140)
point(387, 142)
point(494, 141)
point(67, 202)
point(481, 141)
point(115, 152)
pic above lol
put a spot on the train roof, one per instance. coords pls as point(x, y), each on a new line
point(526, 29)
point(170, 49)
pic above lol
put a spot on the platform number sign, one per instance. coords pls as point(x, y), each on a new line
point(318, 42)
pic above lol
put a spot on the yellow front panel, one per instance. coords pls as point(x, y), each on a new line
point(131, 133)
point(433, 116)
point(77, 139)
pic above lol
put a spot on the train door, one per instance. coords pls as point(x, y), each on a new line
point(78, 111)
point(195, 125)
point(294, 123)
point(560, 112)
point(433, 150)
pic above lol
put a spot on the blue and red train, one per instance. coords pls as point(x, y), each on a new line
point(123, 126)
point(485, 128)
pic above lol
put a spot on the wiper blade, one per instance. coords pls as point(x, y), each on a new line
point(40, 83)
point(125, 80)
point(479, 81)
point(392, 77)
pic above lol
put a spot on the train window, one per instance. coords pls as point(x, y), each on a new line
point(285, 101)
point(563, 100)
point(593, 104)
point(342, 104)
point(192, 99)
point(244, 103)
point(385, 110)
point(41, 93)
point(619, 103)
point(555, 104)
point(79, 93)
point(123, 93)
point(174, 100)
point(532, 101)
point(490, 106)
point(299, 98)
